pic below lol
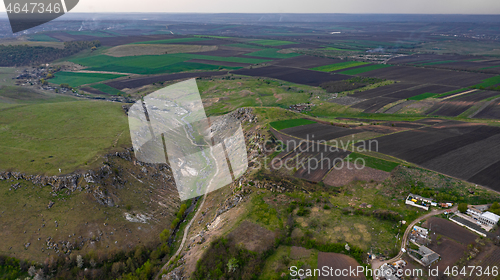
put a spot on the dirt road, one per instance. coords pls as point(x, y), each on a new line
point(377, 263)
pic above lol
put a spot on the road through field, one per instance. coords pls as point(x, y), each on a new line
point(377, 263)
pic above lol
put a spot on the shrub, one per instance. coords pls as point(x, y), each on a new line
point(462, 207)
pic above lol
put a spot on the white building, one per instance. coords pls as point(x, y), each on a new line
point(423, 231)
point(489, 218)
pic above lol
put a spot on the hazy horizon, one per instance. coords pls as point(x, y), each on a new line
point(432, 7)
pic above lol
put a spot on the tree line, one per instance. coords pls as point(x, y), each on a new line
point(24, 55)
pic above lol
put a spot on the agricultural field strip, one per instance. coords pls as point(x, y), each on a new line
point(488, 176)
point(428, 76)
point(139, 82)
point(306, 153)
point(491, 111)
point(294, 75)
point(373, 161)
point(460, 103)
point(459, 94)
point(305, 62)
point(463, 160)
point(319, 131)
point(384, 90)
point(151, 64)
point(76, 79)
point(366, 69)
point(338, 66)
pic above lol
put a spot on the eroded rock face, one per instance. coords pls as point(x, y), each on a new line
point(57, 183)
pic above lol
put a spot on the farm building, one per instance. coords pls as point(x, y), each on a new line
point(489, 218)
point(474, 211)
point(418, 201)
point(420, 232)
point(388, 272)
point(424, 256)
point(486, 218)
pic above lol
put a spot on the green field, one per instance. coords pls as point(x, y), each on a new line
point(107, 89)
point(173, 41)
point(171, 68)
point(372, 162)
point(156, 64)
point(14, 95)
point(241, 45)
point(77, 79)
point(272, 42)
point(339, 66)
point(450, 92)
point(42, 38)
point(41, 138)
point(90, 33)
point(280, 125)
point(365, 69)
point(7, 75)
point(188, 56)
point(423, 96)
point(488, 82)
point(272, 53)
point(337, 49)
point(490, 67)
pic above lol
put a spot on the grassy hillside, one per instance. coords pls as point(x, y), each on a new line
point(43, 138)
point(222, 96)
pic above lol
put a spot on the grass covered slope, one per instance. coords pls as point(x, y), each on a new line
point(280, 125)
point(43, 138)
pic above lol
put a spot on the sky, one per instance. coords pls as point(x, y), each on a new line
point(292, 6)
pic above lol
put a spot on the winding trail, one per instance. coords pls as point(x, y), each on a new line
point(377, 263)
point(186, 230)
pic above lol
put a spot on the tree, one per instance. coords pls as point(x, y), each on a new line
point(495, 208)
point(462, 207)
point(164, 235)
point(232, 264)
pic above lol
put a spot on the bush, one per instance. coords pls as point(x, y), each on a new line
point(462, 207)
point(164, 235)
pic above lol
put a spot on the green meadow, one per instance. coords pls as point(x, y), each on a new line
point(106, 89)
point(280, 125)
point(77, 79)
point(339, 66)
point(272, 42)
point(41, 138)
point(157, 64)
point(272, 53)
point(365, 69)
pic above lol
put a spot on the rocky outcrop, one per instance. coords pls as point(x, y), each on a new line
point(57, 183)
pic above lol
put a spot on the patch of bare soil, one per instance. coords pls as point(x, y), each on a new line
point(253, 237)
point(338, 261)
point(297, 253)
point(419, 107)
point(344, 176)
